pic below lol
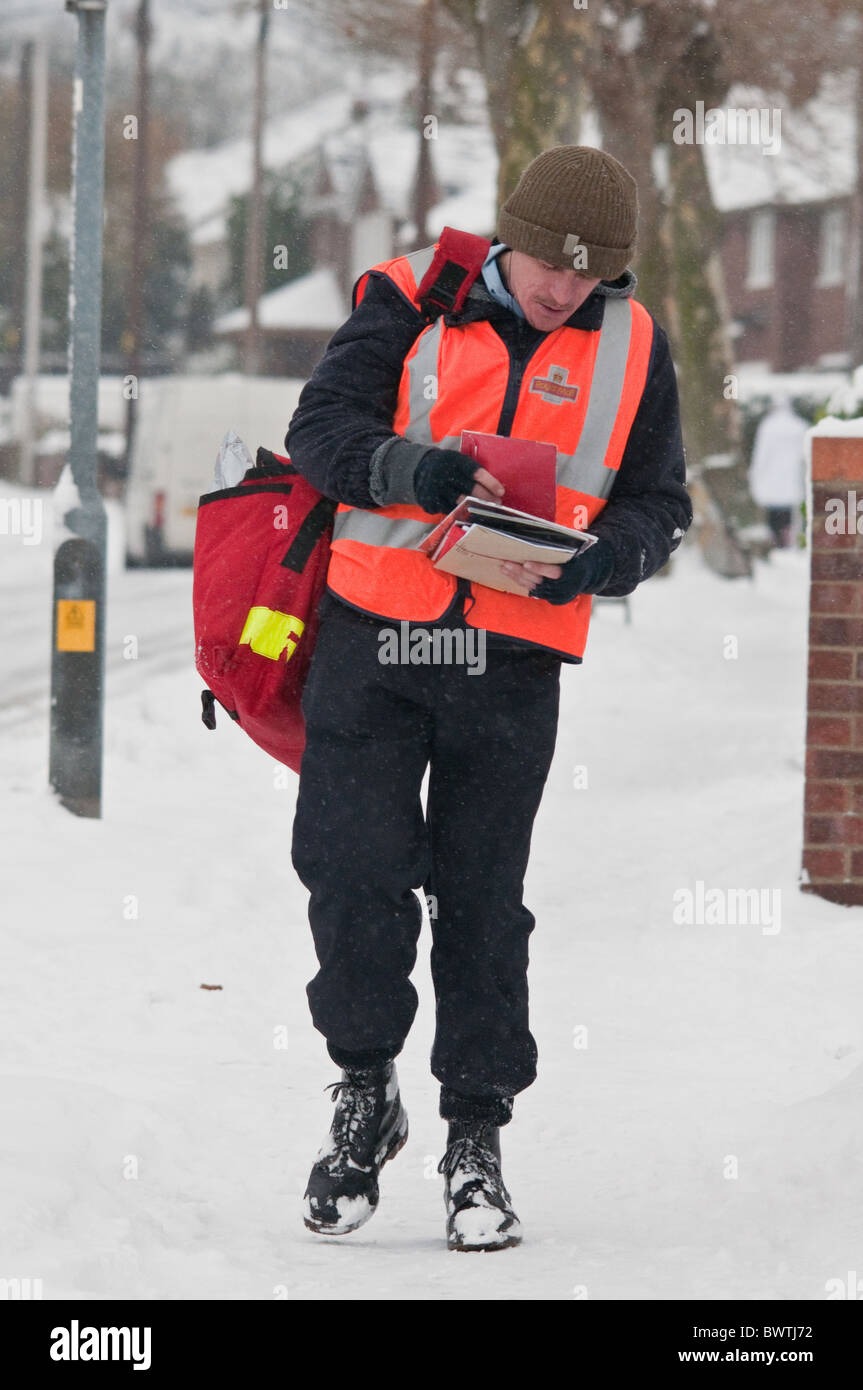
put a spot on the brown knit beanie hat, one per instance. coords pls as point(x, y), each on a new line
point(575, 207)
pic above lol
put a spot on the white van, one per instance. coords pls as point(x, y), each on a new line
point(179, 426)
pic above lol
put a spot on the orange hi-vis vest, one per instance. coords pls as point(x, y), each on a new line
point(580, 391)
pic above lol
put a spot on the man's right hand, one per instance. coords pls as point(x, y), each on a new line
point(444, 476)
point(486, 486)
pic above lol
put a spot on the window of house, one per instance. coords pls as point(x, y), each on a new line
point(831, 260)
point(762, 235)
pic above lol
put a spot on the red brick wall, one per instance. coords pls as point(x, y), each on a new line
point(830, 321)
point(794, 322)
point(754, 306)
point(833, 802)
point(794, 292)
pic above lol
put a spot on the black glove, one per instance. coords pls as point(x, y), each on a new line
point(583, 574)
point(441, 477)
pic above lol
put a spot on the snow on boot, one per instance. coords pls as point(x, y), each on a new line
point(479, 1208)
point(369, 1126)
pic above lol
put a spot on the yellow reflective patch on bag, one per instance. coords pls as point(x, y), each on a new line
point(269, 632)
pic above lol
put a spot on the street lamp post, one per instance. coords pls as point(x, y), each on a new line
point(78, 627)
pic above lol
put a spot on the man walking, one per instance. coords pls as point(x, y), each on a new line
point(548, 344)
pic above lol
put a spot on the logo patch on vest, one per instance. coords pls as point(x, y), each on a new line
point(554, 388)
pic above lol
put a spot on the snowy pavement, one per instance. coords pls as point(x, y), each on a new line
point(696, 1129)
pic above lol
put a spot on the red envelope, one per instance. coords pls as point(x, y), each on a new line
point(526, 468)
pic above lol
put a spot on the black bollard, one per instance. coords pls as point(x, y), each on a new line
point(77, 675)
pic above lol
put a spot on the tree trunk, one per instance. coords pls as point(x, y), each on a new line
point(424, 184)
point(855, 333)
point(699, 322)
point(536, 59)
point(629, 133)
point(17, 206)
point(538, 98)
point(532, 58)
point(136, 314)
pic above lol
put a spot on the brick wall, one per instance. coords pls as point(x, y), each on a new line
point(833, 803)
point(751, 307)
point(795, 293)
point(795, 321)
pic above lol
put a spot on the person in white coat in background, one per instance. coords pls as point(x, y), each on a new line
point(778, 467)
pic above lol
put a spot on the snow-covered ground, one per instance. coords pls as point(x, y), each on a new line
point(696, 1128)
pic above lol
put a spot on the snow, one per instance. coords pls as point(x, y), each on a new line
point(213, 231)
point(51, 400)
point(815, 160)
point(311, 301)
point(392, 153)
point(158, 1136)
point(202, 181)
point(480, 1226)
point(354, 1211)
point(463, 155)
point(471, 211)
point(754, 381)
point(833, 426)
point(465, 164)
point(57, 441)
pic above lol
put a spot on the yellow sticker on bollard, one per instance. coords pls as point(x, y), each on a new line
point(76, 624)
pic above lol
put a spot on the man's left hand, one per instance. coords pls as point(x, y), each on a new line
point(587, 573)
point(530, 573)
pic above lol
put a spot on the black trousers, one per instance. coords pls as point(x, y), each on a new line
point(779, 521)
point(361, 845)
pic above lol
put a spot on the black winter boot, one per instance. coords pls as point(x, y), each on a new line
point(479, 1208)
point(370, 1125)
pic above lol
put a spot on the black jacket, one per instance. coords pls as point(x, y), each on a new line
point(346, 409)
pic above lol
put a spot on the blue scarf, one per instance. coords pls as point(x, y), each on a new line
point(493, 281)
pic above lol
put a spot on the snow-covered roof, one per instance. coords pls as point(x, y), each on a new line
point(313, 301)
point(213, 231)
point(471, 211)
point(815, 159)
point(202, 181)
point(463, 157)
point(465, 164)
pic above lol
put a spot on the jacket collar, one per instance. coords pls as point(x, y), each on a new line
point(480, 305)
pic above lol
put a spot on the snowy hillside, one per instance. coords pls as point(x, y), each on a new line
point(697, 1125)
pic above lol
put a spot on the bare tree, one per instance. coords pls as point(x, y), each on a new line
point(640, 61)
point(654, 58)
point(135, 318)
point(424, 180)
point(533, 57)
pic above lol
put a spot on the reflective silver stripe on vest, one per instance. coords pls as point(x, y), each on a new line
point(361, 525)
point(374, 529)
point(423, 383)
point(586, 470)
point(419, 261)
point(369, 526)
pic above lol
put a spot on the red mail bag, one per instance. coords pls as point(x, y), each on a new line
point(259, 569)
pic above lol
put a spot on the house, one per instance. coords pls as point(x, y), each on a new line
point(203, 182)
point(354, 157)
point(296, 323)
point(787, 234)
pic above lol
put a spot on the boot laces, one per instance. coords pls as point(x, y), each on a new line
point(356, 1104)
point(471, 1154)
